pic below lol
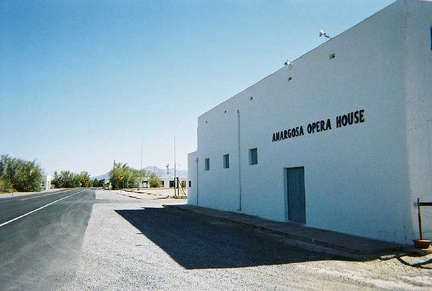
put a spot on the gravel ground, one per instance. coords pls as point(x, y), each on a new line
point(136, 244)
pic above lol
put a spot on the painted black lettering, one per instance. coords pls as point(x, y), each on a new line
point(362, 118)
point(338, 121)
point(344, 120)
point(328, 125)
point(350, 118)
point(356, 117)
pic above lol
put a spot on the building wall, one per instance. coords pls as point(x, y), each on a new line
point(47, 182)
point(359, 178)
point(419, 107)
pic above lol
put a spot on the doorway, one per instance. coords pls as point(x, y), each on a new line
point(296, 195)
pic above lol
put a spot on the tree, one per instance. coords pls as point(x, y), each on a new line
point(3, 161)
point(20, 174)
point(97, 183)
point(5, 185)
point(155, 181)
point(67, 179)
point(130, 177)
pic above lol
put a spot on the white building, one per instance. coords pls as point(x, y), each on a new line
point(47, 179)
point(168, 181)
point(341, 139)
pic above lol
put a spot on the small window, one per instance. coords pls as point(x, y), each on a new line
point(332, 56)
point(253, 156)
point(190, 184)
point(207, 164)
point(289, 78)
point(226, 161)
point(431, 37)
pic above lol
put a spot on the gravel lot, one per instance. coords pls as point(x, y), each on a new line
point(136, 244)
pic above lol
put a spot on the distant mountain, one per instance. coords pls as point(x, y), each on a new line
point(155, 170)
point(159, 172)
point(101, 177)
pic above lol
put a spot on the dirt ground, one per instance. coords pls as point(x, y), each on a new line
point(137, 244)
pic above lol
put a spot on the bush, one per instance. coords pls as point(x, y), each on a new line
point(20, 174)
point(155, 182)
point(129, 177)
point(67, 179)
point(5, 185)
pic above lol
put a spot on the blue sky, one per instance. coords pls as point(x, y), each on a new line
point(82, 83)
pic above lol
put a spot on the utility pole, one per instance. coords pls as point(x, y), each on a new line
point(175, 173)
point(141, 169)
point(142, 144)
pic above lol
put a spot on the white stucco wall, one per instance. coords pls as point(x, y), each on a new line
point(361, 179)
point(47, 181)
point(419, 107)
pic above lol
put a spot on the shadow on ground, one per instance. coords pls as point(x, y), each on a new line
point(198, 242)
point(418, 262)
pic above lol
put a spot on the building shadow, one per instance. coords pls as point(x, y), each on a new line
point(198, 242)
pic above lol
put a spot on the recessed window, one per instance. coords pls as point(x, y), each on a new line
point(190, 184)
point(431, 37)
point(289, 78)
point(226, 161)
point(207, 164)
point(253, 156)
point(332, 56)
point(251, 98)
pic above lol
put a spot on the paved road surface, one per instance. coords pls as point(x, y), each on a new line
point(41, 237)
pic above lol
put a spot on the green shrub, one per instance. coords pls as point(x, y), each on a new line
point(5, 185)
point(155, 182)
point(20, 174)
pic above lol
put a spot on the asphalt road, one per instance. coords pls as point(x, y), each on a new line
point(41, 237)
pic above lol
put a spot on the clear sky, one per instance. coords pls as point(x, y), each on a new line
point(83, 83)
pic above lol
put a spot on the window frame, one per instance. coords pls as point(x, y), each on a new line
point(226, 163)
point(253, 156)
point(207, 164)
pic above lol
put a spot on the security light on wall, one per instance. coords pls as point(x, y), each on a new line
point(288, 64)
point(322, 33)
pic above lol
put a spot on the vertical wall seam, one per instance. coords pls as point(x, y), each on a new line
point(197, 187)
point(239, 161)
